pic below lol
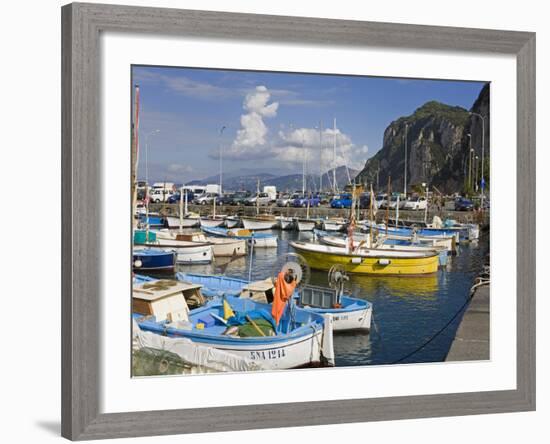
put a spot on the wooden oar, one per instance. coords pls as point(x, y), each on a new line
point(254, 325)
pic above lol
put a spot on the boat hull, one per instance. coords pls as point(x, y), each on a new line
point(363, 264)
point(187, 252)
point(258, 224)
point(232, 223)
point(211, 222)
point(305, 225)
point(333, 226)
point(145, 260)
point(285, 223)
point(187, 222)
point(227, 247)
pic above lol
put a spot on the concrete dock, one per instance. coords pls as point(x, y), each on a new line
point(472, 340)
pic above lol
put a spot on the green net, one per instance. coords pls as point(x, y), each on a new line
point(248, 329)
point(149, 362)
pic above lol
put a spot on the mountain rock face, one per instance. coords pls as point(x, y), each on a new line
point(437, 144)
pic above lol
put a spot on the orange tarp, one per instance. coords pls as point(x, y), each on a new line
point(283, 292)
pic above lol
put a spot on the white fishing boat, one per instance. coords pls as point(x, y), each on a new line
point(301, 338)
point(232, 221)
point(334, 224)
point(222, 247)
point(305, 224)
point(189, 221)
point(259, 240)
point(212, 221)
point(259, 223)
point(285, 223)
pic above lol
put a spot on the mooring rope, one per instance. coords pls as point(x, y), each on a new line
point(442, 329)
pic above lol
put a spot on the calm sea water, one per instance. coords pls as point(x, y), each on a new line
point(407, 311)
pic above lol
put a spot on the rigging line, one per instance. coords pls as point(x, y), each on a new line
point(441, 330)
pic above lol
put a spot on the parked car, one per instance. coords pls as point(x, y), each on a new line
point(285, 200)
point(341, 201)
point(302, 201)
point(263, 200)
point(380, 201)
point(158, 195)
point(225, 199)
point(345, 201)
point(416, 203)
point(240, 198)
point(463, 204)
point(175, 198)
point(205, 199)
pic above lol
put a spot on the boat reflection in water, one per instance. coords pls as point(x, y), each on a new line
point(404, 287)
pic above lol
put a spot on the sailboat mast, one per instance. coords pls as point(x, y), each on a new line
point(181, 207)
point(303, 168)
point(320, 156)
point(258, 197)
point(221, 160)
point(388, 205)
point(334, 158)
point(135, 151)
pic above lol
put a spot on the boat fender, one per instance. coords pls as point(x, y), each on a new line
point(384, 261)
point(138, 263)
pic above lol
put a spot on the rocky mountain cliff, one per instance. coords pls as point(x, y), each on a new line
point(437, 147)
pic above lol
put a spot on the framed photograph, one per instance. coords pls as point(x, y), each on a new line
point(278, 221)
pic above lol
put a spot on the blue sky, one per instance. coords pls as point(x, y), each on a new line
point(271, 120)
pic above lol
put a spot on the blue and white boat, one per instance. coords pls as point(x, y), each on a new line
point(153, 259)
point(352, 313)
point(260, 240)
point(420, 231)
point(152, 220)
point(302, 338)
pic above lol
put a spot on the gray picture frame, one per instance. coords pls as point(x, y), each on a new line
point(81, 247)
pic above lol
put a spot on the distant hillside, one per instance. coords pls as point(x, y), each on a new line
point(289, 182)
point(437, 147)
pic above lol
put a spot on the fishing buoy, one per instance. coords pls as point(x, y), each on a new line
point(138, 263)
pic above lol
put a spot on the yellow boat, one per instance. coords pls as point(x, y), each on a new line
point(371, 261)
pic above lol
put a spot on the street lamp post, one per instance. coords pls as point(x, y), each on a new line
point(475, 173)
point(482, 156)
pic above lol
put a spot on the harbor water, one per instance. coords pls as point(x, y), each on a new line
point(407, 311)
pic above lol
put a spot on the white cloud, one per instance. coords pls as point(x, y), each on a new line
point(293, 143)
point(250, 141)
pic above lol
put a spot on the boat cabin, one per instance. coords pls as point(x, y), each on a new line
point(259, 291)
point(167, 300)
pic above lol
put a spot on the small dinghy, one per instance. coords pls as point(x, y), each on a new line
point(260, 240)
point(212, 221)
point(153, 259)
point(285, 223)
point(222, 247)
point(188, 221)
point(305, 224)
point(232, 221)
point(260, 222)
point(186, 252)
point(333, 224)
